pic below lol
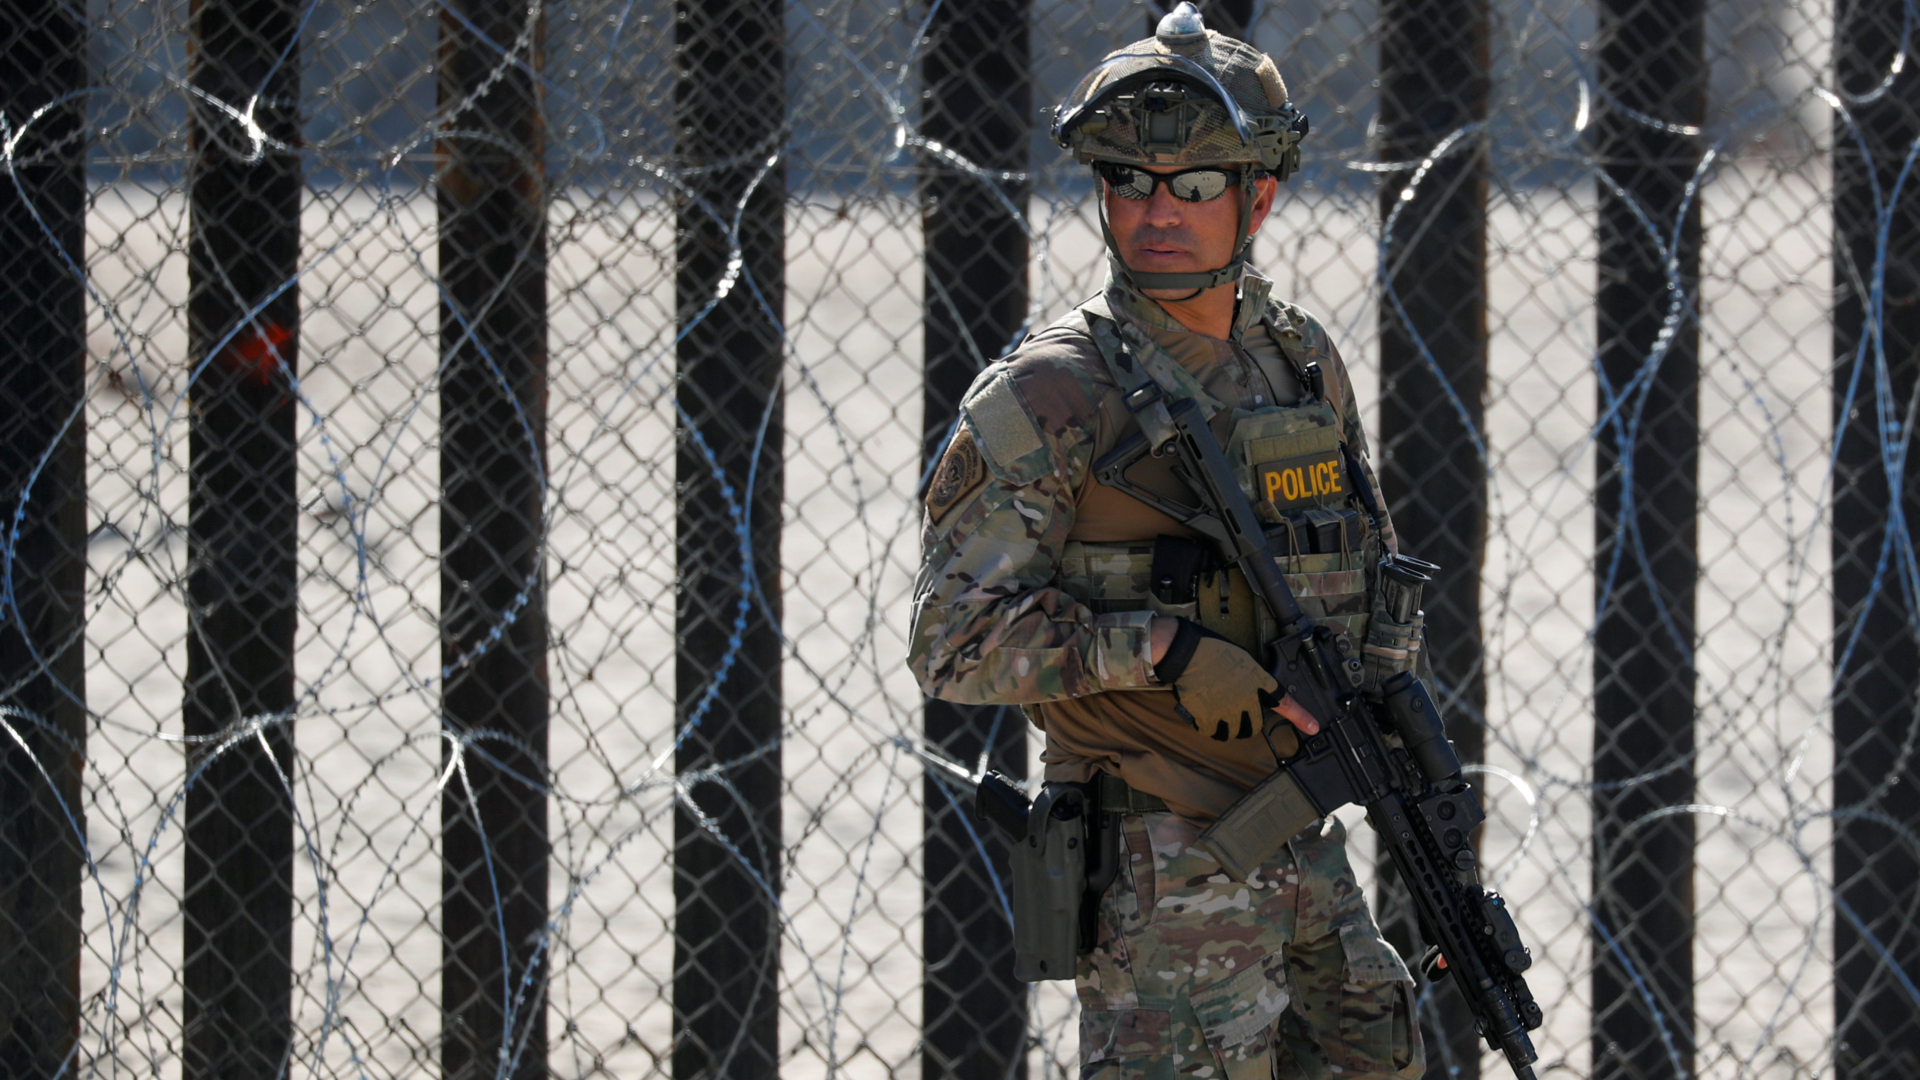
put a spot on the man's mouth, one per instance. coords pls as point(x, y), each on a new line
point(1161, 248)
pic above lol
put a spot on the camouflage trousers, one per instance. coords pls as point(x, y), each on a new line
point(1197, 975)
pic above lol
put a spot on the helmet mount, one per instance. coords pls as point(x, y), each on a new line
point(1163, 114)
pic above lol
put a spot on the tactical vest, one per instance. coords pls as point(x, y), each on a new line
point(1291, 464)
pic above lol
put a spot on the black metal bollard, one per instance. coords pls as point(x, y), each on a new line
point(1433, 88)
point(243, 335)
point(1651, 61)
point(43, 369)
point(1877, 874)
point(491, 189)
point(730, 116)
point(978, 105)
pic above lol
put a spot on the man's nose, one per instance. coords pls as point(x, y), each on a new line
point(1163, 210)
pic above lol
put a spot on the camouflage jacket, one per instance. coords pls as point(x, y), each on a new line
point(991, 624)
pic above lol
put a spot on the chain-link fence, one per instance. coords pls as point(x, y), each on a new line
point(462, 468)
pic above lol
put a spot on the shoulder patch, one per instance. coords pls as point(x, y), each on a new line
point(958, 475)
point(1006, 429)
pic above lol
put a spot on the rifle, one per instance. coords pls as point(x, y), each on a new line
point(1392, 757)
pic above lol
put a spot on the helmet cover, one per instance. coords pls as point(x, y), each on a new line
point(1186, 97)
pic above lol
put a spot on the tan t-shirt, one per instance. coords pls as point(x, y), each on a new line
point(1136, 734)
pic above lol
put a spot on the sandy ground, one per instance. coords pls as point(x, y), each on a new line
point(368, 877)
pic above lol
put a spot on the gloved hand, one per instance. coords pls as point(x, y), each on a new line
point(1218, 686)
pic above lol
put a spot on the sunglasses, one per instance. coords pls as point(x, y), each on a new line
point(1204, 184)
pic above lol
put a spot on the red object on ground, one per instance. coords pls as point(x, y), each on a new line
point(257, 353)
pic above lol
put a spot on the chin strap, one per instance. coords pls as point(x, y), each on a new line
point(1200, 280)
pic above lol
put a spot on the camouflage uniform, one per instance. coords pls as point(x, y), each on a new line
point(1194, 974)
point(1198, 975)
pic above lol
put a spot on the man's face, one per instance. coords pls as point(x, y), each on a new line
point(1165, 235)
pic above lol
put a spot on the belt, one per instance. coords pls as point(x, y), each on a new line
point(1115, 797)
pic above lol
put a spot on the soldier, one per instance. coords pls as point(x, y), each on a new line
point(1115, 628)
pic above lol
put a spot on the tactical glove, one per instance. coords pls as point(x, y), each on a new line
point(1218, 686)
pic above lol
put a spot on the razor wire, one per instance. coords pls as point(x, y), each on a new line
point(365, 763)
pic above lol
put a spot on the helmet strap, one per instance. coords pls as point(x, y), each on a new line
point(1199, 280)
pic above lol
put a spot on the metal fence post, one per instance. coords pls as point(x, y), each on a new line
point(43, 366)
point(243, 338)
point(978, 105)
point(1645, 562)
point(1876, 779)
point(491, 189)
point(1434, 83)
point(729, 132)
point(243, 334)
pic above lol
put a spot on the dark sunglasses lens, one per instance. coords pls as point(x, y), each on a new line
point(1201, 185)
point(1130, 183)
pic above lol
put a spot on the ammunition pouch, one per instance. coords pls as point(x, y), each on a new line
point(1177, 576)
point(1394, 631)
point(1392, 648)
point(1069, 857)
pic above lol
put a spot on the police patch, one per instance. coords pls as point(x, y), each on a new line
point(1307, 480)
point(959, 473)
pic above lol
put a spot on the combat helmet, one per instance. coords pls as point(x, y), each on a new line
point(1187, 97)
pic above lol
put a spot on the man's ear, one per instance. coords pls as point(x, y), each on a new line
point(1265, 190)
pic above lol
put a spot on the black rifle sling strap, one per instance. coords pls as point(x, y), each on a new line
point(1143, 395)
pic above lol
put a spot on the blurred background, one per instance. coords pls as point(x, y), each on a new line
point(461, 477)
